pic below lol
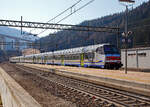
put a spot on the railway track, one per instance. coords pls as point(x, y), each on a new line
point(83, 93)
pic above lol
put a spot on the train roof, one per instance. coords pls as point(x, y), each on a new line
point(85, 49)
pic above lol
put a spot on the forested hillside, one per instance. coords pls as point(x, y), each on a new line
point(139, 24)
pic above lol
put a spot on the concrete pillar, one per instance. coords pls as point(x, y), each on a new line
point(17, 44)
point(137, 59)
point(2, 42)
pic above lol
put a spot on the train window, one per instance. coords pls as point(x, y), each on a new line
point(77, 57)
point(89, 56)
point(86, 55)
point(74, 57)
point(56, 57)
point(100, 50)
point(71, 57)
point(110, 49)
point(65, 57)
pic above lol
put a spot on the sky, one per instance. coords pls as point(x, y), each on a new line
point(44, 10)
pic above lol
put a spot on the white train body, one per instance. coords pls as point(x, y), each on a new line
point(101, 55)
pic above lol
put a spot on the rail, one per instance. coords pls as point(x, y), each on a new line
point(86, 91)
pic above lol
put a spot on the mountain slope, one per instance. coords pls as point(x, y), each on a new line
point(138, 20)
point(4, 30)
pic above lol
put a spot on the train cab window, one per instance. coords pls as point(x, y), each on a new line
point(100, 50)
point(110, 49)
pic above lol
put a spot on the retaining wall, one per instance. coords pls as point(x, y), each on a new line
point(12, 94)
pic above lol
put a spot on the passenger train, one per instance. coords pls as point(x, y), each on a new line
point(101, 55)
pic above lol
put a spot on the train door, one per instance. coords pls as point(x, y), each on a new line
point(82, 59)
point(37, 59)
point(42, 59)
point(100, 56)
point(45, 59)
point(34, 59)
point(19, 60)
point(62, 59)
point(24, 60)
point(48, 59)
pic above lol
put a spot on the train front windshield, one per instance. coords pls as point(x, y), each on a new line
point(110, 49)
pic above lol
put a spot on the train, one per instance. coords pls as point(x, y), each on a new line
point(100, 55)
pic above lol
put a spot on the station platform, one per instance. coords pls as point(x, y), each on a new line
point(14, 95)
point(133, 81)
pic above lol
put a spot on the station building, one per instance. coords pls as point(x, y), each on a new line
point(137, 58)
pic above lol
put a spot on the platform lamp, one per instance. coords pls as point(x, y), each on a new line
point(127, 3)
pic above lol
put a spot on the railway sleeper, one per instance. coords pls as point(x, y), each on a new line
point(141, 105)
point(119, 98)
point(130, 102)
point(111, 105)
point(69, 94)
point(123, 99)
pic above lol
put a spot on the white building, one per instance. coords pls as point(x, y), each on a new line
point(137, 58)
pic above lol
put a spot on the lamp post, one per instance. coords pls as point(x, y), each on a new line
point(126, 27)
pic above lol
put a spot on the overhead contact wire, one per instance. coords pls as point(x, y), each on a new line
point(70, 14)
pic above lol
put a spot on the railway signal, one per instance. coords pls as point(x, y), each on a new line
point(126, 33)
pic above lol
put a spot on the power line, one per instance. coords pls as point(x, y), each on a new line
point(70, 14)
point(61, 12)
point(76, 10)
point(65, 10)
